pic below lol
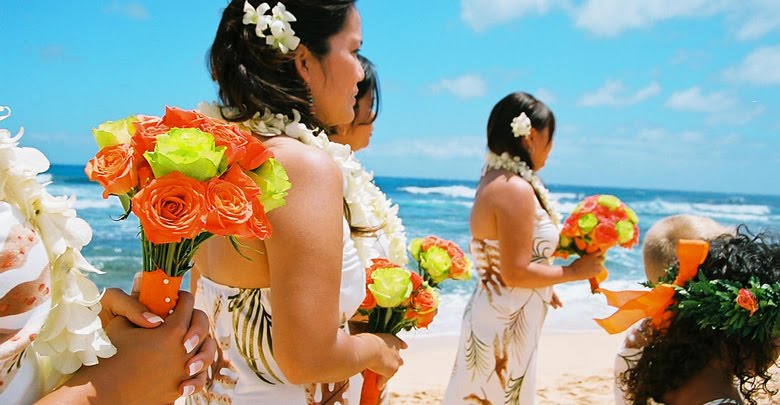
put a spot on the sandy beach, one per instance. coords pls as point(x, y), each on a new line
point(573, 368)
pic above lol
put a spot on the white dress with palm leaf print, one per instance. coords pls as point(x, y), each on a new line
point(496, 361)
point(245, 371)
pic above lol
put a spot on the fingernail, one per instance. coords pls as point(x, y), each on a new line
point(190, 343)
point(152, 317)
point(188, 390)
point(195, 367)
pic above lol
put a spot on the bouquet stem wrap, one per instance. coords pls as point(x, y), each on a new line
point(370, 393)
point(159, 292)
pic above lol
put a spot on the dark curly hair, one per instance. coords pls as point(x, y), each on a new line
point(253, 76)
point(660, 369)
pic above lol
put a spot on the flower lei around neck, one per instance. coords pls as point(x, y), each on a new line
point(368, 206)
point(72, 334)
point(515, 165)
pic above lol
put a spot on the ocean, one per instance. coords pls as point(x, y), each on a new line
point(441, 207)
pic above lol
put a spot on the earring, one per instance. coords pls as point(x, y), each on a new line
point(311, 103)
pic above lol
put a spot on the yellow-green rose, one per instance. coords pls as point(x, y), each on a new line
point(273, 182)
point(116, 132)
point(415, 246)
point(625, 231)
point(188, 151)
point(436, 262)
point(391, 286)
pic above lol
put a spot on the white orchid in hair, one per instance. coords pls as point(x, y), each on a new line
point(521, 126)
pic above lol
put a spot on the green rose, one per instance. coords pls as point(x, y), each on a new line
point(116, 132)
point(188, 151)
point(565, 242)
point(415, 247)
point(273, 182)
point(391, 286)
point(609, 201)
point(625, 230)
point(436, 262)
point(587, 222)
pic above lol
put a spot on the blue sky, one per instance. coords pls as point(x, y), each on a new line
point(648, 93)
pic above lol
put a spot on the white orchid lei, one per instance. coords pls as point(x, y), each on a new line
point(72, 335)
point(369, 207)
point(282, 36)
point(515, 165)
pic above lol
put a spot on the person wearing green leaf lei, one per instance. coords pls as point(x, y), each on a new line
point(723, 331)
point(514, 230)
point(279, 307)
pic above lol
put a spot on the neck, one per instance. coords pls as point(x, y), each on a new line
point(708, 384)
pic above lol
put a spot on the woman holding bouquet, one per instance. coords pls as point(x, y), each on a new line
point(285, 70)
point(514, 229)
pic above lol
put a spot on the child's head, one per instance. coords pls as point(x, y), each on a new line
point(660, 243)
point(712, 327)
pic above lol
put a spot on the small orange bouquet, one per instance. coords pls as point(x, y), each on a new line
point(439, 260)
point(187, 177)
point(396, 299)
point(597, 224)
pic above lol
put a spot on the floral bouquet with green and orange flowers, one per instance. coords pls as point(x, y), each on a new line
point(396, 299)
point(439, 260)
point(187, 177)
point(596, 225)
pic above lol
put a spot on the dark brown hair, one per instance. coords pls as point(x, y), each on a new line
point(253, 76)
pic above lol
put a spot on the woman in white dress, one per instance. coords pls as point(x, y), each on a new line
point(514, 230)
point(280, 313)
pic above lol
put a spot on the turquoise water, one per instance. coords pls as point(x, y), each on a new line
point(441, 207)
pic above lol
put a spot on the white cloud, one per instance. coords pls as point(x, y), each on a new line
point(132, 10)
point(546, 96)
point(757, 18)
point(693, 99)
point(480, 15)
point(611, 17)
point(463, 87)
point(614, 93)
point(761, 67)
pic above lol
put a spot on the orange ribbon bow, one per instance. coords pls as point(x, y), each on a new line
point(636, 305)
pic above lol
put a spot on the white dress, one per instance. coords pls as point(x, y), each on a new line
point(241, 321)
point(496, 360)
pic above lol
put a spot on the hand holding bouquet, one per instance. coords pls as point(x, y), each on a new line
point(597, 224)
point(187, 178)
point(396, 299)
point(440, 259)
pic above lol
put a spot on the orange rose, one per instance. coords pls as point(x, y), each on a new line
point(146, 130)
point(747, 300)
point(171, 208)
point(425, 301)
point(113, 168)
point(229, 209)
point(145, 172)
point(422, 320)
point(416, 281)
point(605, 235)
point(369, 303)
point(258, 226)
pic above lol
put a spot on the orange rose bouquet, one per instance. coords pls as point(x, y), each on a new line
point(597, 224)
point(396, 299)
point(439, 260)
point(187, 177)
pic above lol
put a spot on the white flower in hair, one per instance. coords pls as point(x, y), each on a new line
point(257, 17)
point(282, 36)
point(521, 126)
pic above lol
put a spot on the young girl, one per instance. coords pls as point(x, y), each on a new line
point(718, 337)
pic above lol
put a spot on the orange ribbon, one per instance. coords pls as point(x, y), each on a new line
point(636, 305)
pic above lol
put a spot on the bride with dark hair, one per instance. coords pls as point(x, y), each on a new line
point(288, 71)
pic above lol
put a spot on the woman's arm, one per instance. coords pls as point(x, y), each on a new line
point(513, 203)
point(305, 259)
